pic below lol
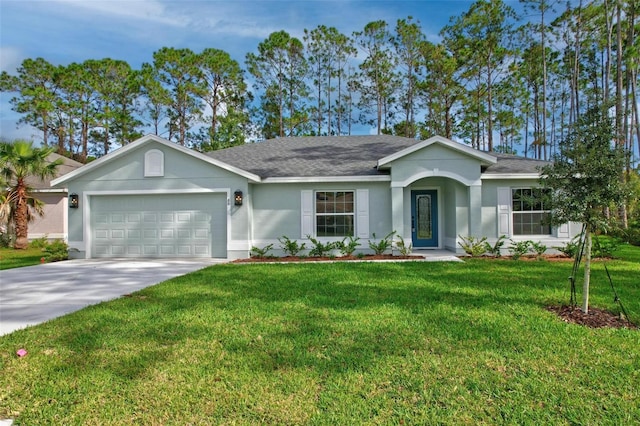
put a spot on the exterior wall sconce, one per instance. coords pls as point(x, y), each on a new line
point(74, 202)
point(237, 198)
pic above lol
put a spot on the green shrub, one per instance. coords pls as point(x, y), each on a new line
point(519, 248)
point(6, 240)
point(261, 253)
point(538, 248)
point(473, 246)
point(55, 251)
point(570, 248)
point(347, 246)
point(40, 243)
point(320, 249)
point(632, 236)
point(495, 249)
point(290, 247)
point(403, 248)
point(383, 245)
point(605, 247)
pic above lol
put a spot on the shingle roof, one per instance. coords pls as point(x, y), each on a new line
point(324, 156)
point(68, 165)
point(313, 155)
point(508, 163)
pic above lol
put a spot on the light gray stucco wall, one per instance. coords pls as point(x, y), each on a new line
point(276, 210)
point(490, 213)
point(182, 173)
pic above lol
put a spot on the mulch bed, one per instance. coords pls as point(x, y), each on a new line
point(325, 259)
point(595, 318)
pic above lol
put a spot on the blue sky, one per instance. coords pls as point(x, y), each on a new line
point(65, 31)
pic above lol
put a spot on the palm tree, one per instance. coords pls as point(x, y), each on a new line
point(20, 161)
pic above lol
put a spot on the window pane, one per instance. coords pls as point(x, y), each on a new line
point(334, 213)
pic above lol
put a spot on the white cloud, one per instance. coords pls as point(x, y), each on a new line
point(10, 59)
point(140, 10)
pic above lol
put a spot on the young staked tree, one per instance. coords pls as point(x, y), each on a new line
point(584, 180)
point(20, 161)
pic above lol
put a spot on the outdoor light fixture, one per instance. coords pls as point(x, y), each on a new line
point(238, 198)
point(73, 201)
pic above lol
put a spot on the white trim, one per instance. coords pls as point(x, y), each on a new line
point(436, 173)
point(86, 207)
point(239, 245)
point(48, 236)
point(145, 140)
point(50, 191)
point(510, 176)
point(331, 179)
point(467, 150)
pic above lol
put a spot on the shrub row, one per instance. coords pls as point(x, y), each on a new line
point(346, 247)
point(475, 247)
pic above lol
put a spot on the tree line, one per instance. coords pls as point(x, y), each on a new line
point(490, 82)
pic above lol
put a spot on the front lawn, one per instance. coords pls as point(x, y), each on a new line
point(11, 258)
point(341, 343)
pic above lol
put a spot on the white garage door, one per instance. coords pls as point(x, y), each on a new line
point(171, 225)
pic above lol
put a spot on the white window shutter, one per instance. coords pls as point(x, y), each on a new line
point(563, 231)
point(306, 209)
point(504, 211)
point(362, 213)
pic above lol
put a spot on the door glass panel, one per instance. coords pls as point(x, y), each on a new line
point(423, 212)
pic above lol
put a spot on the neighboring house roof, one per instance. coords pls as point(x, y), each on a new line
point(68, 165)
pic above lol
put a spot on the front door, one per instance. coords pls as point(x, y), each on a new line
point(424, 218)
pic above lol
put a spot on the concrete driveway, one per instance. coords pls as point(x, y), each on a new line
point(35, 294)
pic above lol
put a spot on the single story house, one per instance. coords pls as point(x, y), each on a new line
point(53, 222)
point(154, 198)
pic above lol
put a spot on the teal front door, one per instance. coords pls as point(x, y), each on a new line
point(424, 218)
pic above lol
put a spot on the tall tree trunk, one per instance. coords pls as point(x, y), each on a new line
point(21, 218)
point(587, 271)
point(622, 212)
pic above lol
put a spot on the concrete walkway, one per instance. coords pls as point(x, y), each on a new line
point(36, 294)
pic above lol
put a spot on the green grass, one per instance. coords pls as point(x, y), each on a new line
point(11, 258)
point(326, 344)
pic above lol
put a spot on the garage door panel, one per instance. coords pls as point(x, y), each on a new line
point(134, 218)
point(134, 234)
point(150, 250)
point(159, 225)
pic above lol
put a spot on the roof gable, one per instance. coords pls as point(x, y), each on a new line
point(482, 157)
point(144, 141)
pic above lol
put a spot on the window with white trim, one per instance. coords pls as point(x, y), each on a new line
point(529, 212)
point(335, 213)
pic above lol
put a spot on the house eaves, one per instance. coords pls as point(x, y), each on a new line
point(328, 179)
